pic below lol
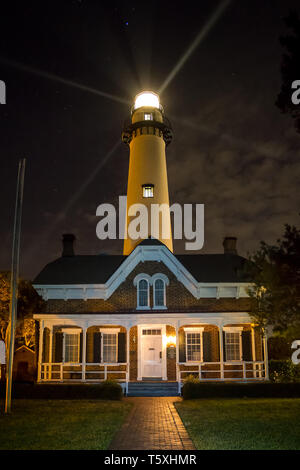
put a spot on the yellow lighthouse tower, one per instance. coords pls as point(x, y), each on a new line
point(147, 135)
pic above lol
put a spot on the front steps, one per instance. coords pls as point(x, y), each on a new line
point(152, 389)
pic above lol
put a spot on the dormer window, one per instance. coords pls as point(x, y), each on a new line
point(159, 293)
point(143, 282)
point(143, 294)
point(148, 117)
point(148, 190)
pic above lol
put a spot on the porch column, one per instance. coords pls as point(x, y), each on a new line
point(177, 354)
point(265, 354)
point(221, 352)
point(40, 358)
point(50, 352)
point(83, 365)
point(253, 351)
point(127, 357)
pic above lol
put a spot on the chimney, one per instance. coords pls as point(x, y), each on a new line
point(229, 244)
point(68, 244)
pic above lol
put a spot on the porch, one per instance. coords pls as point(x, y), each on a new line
point(92, 350)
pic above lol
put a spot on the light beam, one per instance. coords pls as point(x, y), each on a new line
point(57, 78)
point(199, 38)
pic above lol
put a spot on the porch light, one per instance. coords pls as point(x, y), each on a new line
point(171, 341)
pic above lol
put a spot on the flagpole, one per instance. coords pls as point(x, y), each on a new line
point(14, 283)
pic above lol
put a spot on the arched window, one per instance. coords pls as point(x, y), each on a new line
point(159, 293)
point(143, 293)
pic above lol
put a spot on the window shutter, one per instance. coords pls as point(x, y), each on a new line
point(258, 344)
point(224, 346)
point(217, 349)
point(80, 347)
point(246, 345)
point(58, 351)
point(181, 337)
point(45, 352)
point(89, 350)
point(121, 347)
point(97, 347)
point(207, 346)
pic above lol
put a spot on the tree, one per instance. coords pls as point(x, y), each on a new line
point(275, 294)
point(290, 68)
point(29, 302)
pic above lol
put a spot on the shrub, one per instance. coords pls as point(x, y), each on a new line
point(192, 390)
point(108, 390)
point(284, 371)
point(111, 390)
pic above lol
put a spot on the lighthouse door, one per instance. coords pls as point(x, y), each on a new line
point(151, 353)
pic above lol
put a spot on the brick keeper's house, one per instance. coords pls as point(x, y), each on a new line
point(149, 317)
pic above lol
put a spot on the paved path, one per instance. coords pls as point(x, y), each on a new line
point(153, 423)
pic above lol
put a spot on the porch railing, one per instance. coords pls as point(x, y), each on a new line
point(221, 371)
point(79, 372)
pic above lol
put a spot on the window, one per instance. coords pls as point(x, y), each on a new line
point(109, 347)
point(148, 190)
point(148, 117)
point(193, 346)
point(143, 294)
point(233, 345)
point(72, 342)
point(151, 332)
point(159, 293)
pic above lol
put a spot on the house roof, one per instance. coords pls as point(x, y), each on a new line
point(97, 269)
point(80, 269)
point(215, 267)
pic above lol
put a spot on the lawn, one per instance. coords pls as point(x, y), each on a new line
point(244, 424)
point(61, 424)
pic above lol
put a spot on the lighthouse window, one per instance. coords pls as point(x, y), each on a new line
point(148, 190)
point(148, 117)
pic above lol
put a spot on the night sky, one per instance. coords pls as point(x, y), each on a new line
point(232, 149)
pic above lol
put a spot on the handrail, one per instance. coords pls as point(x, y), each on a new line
point(258, 370)
point(48, 369)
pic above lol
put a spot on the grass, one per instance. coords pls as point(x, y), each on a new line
point(242, 424)
point(61, 424)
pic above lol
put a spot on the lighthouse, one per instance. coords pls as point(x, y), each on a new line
point(147, 134)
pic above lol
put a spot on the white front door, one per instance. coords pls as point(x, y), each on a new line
point(151, 353)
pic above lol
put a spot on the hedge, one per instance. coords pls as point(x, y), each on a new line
point(196, 389)
point(283, 371)
point(107, 390)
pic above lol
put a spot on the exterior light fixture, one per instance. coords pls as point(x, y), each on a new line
point(171, 341)
point(148, 99)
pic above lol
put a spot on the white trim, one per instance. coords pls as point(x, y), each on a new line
point(138, 306)
point(109, 331)
point(161, 276)
point(155, 306)
point(70, 331)
point(234, 329)
point(138, 255)
point(135, 318)
point(195, 329)
point(189, 330)
point(147, 326)
point(139, 277)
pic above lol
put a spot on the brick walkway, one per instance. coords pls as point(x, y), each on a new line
point(153, 423)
